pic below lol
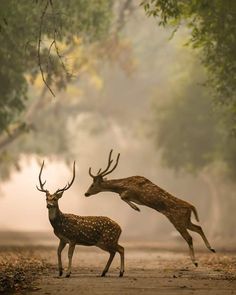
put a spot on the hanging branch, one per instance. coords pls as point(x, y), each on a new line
point(56, 32)
point(58, 53)
point(39, 46)
point(53, 44)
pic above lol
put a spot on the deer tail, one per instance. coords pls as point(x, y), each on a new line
point(195, 213)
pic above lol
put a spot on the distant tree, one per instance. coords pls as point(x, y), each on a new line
point(186, 127)
point(212, 25)
point(189, 131)
point(192, 138)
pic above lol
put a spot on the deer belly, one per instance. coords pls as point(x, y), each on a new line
point(88, 235)
point(79, 238)
point(157, 204)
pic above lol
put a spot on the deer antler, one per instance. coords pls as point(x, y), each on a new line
point(41, 189)
point(106, 171)
point(114, 167)
point(69, 184)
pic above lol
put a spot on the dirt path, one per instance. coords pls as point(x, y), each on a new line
point(148, 271)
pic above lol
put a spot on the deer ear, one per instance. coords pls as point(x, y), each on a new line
point(59, 195)
point(97, 179)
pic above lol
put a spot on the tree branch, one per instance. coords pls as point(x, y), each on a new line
point(39, 47)
point(19, 130)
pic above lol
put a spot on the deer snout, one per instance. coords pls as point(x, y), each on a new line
point(87, 194)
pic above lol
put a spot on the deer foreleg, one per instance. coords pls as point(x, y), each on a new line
point(59, 250)
point(112, 254)
point(125, 197)
point(184, 233)
point(70, 255)
point(132, 205)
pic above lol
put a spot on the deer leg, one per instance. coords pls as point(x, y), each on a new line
point(59, 250)
point(70, 255)
point(184, 233)
point(198, 229)
point(132, 205)
point(125, 197)
point(121, 251)
point(112, 255)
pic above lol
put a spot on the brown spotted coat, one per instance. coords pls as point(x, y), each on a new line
point(141, 191)
point(74, 230)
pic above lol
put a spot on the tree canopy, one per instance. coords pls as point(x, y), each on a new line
point(212, 26)
point(189, 131)
point(31, 37)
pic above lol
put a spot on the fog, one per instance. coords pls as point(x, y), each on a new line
point(117, 116)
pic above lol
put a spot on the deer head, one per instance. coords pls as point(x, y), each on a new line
point(98, 179)
point(52, 199)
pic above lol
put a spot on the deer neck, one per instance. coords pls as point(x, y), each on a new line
point(54, 214)
point(112, 185)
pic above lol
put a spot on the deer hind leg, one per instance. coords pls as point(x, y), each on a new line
point(198, 229)
point(70, 255)
point(112, 255)
point(121, 251)
point(59, 250)
point(184, 233)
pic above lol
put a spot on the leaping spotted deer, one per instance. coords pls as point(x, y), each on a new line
point(140, 190)
point(75, 230)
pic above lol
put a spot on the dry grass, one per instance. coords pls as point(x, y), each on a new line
point(19, 267)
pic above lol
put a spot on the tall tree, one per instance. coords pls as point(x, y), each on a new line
point(212, 25)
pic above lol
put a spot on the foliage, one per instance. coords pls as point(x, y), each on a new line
point(190, 134)
point(19, 269)
point(31, 34)
point(83, 55)
point(212, 25)
point(186, 132)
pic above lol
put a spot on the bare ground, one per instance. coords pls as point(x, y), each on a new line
point(149, 270)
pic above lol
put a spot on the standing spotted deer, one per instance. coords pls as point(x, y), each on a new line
point(75, 230)
point(140, 190)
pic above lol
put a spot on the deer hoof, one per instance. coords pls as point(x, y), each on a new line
point(213, 250)
point(121, 274)
point(60, 272)
point(103, 274)
point(68, 275)
point(196, 264)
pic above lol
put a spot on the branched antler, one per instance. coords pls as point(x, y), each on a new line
point(41, 189)
point(69, 184)
point(66, 187)
point(106, 170)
